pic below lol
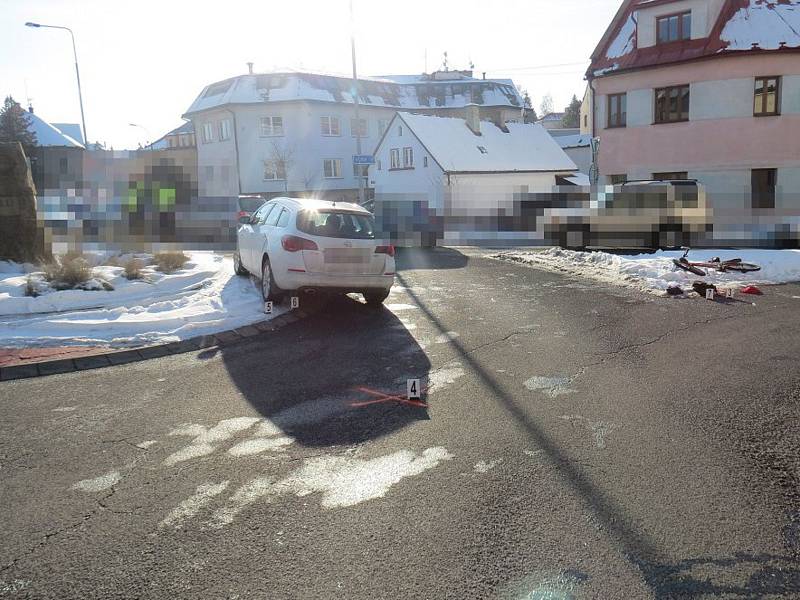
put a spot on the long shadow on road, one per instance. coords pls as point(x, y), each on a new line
point(666, 579)
point(306, 378)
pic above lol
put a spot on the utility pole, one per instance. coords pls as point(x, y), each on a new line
point(361, 199)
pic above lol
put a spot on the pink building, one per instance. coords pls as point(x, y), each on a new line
point(706, 90)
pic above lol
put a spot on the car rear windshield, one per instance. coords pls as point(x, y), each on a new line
point(250, 205)
point(336, 224)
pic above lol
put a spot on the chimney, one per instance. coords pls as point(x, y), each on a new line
point(472, 116)
point(250, 68)
point(30, 107)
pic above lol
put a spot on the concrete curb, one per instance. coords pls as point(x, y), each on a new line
point(121, 357)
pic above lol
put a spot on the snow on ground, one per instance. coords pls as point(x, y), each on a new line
point(655, 272)
point(202, 298)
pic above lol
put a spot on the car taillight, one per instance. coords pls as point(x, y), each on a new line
point(242, 213)
point(385, 250)
point(292, 243)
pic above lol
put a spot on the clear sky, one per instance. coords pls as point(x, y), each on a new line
point(145, 61)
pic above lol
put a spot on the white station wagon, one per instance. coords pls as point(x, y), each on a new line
point(297, 244)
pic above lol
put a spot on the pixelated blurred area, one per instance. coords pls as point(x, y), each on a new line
point(635, 215)
point(125, 201)
point(147, 201)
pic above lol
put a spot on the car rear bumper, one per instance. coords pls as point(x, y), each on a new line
point(292, 280)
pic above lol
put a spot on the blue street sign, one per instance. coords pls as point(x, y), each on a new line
point(363, 159)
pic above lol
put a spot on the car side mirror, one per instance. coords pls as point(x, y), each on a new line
point(245, 219)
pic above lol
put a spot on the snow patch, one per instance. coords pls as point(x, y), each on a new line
point(483, 466)
point(446, 337)
point(342, 481)
point(400, 306)
point(259, 445)
point(625, 41)
point(203, 298)
point(764, 23)
point(349, 481)
point(444, 377)
point(550, 386)
point(205, 439)
point(193, 504)
point(653, 273)
point(99, 484)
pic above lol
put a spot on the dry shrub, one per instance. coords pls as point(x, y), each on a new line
point(169, 262)
point(112, 261)
point(133, 269)
point(30, 288)
point(67, 271)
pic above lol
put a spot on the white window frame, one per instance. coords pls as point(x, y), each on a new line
point(336, 168)
point(207, 132)
point(365, 131)
point(323, 125)
point(224, 128)
point(268, 127)
point(271, 168)
point(408, 157)
point(394, 159)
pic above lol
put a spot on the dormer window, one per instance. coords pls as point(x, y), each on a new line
point(673, 28)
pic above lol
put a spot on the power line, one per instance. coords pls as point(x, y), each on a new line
point(575, 64)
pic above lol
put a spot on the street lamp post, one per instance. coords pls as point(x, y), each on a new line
point(149, 138)
point(77, 71)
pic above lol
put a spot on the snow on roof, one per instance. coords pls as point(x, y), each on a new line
point(574, 141)
point(48, 135)
point(280, 87)
point(526, 147)
point(625, 41)
point(764, 23)
point(552, 116)
point(73, 130)
point(770, 25)
point(579, 179)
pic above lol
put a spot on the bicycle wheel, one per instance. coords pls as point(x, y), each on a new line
point(684, 264)
point(743, 267)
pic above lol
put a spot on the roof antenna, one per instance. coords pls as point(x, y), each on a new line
point(28, 98)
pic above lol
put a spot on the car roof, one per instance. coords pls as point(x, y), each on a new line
point(317, 204)
point(661, 182)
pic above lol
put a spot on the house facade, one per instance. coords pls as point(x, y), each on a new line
point(462, 179)
point(706, 90)
point(296, 133)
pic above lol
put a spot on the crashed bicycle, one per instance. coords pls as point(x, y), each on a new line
point(732, 264)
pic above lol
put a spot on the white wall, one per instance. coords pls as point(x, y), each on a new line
point(790, 96)
point(309, 148)
point(486, 194)
point(724, 99)
point(217, 159)
point(704, 15)
point(716, 99)
point(420, 183)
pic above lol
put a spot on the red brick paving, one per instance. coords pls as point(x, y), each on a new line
point(24, 356)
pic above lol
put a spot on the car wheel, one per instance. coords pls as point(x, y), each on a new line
point(269, 289)
point(237, 264)
point(376, 298)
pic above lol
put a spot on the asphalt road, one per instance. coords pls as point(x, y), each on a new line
point(579, 441)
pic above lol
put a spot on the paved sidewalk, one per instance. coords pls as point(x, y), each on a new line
point(10, 357)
